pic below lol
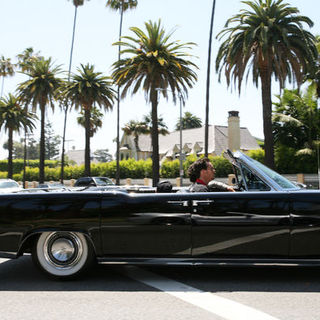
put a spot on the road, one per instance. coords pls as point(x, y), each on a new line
point(126, 293)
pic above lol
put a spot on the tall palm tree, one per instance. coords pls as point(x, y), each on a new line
point(316, 76)
point(206, 130)
point(95, 120)
point(135, 128)
point(189, 121)
point(27, 58)
point(76, 3)
point(269, 39)
point(6, 69)
point(39, 91)
point(154, 63)
point(13, 117)
point(86, 89)
point(121, 6)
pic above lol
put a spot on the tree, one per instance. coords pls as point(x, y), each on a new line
point(39, 91)
point(189, 121)
point(27, 58)
point(162, 127)
point(13, 117)
point(314, 75)
point(121, 6)
point(154, 63)
point(52, 142)
point(33, 151)
point(103, 155)
point(269, 39)
point(84, 90)
point(135, 128)
point(296, 121)
point(95, 120)
point(76, 4)
point(6, 69)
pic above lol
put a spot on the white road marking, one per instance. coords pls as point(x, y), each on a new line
point(222, 307)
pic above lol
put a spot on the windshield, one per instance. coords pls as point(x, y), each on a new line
point(104, 182)
point(8, 184)
point(279, 179)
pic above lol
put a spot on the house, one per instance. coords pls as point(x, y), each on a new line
point(221, 138)
point(78, 156)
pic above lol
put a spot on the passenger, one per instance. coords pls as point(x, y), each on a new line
point(201, 174)
point(164, 187)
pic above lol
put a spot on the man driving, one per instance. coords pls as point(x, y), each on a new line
point(202, 174)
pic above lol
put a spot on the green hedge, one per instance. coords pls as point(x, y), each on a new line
point(128, 169)
point(18, 164)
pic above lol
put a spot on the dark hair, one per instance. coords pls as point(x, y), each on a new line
point(164, 187)
point(195, 169)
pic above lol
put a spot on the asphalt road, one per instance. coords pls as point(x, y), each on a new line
point(123, 292)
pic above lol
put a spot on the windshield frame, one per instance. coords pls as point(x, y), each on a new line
point(263, 172)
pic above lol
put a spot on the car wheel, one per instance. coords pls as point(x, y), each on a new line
point(62, 255)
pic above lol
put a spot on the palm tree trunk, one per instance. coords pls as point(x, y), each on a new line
point(10, 147)
point(136, 143)
point(206, 130)
point(24, 157)
point(118, 108)
point(42, 144)
point(267, 118)
point(66, 102)
point(155, 138)
point(87, 143)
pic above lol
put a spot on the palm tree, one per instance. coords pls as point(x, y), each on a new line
point(84, 90)
point(154, 63)
point(121, 6)
point(135, 128)
point(6, 69)
point(39, 91)
point(76, 4)
point(162, 127)
point(206, 130)
point(316, 76)
point(27, 58)
point(269, 39)
point(189, 121)
point(13, 117)
point(95, 120)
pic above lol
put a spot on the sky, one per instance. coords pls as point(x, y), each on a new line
point(46, 25)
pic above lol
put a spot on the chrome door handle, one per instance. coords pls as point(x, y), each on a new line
point(196, 203)
point(177, 202)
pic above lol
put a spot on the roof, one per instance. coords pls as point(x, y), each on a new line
point(193, 138)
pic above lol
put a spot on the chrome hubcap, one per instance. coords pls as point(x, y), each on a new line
point(63, 250)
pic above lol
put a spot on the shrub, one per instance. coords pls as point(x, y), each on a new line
point(3, 174)
point(256, 155)
point(170, 169)
point(222, 166)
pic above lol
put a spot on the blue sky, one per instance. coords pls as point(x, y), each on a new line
point(46, 25)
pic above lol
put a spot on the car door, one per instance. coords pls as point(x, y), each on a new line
point(240, 224)
point(305, 217)
point(146, 225)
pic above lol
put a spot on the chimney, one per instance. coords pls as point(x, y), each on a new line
point(233, 130)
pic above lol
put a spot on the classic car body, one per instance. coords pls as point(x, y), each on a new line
point(268, 221)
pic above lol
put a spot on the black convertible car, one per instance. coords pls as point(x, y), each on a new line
point(268, 221)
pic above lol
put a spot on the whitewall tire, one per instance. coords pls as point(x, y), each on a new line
point(62, 255)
